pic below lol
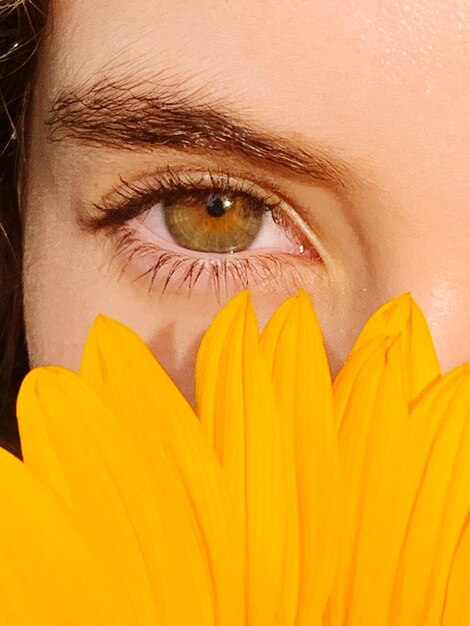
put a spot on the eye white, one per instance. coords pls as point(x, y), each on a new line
point(271, 235)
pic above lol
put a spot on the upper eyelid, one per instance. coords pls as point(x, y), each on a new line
point(186, 179)
point(129, 196)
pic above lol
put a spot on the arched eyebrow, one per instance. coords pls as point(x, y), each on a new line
point(118, 114)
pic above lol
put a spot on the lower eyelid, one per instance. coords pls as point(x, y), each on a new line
point(223, 275)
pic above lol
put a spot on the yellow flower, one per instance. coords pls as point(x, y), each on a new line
point(280, 501)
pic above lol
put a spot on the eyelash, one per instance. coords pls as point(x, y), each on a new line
point(131, 200)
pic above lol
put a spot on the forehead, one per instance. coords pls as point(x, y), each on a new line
point(334, 71)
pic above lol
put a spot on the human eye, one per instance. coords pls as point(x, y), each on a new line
point(183, 229)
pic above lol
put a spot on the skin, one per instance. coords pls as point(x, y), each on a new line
point(382, 87)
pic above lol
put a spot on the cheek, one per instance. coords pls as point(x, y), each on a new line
point(55, 306)
point(69, 278)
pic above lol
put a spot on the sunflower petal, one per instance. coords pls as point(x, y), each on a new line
point(139, 513)
point(150, 408)
point(293, 345)
point(371, 440)
point(457, 598)
point(403, 316)
point(237, 408)
point(439, 479)
point(292, 576)
point(49, 574)
point(345, 384)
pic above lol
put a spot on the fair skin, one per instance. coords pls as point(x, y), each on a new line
point(371, 101)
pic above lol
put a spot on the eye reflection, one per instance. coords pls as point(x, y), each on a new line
point(211, 222)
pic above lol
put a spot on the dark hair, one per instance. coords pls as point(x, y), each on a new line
point(21, 25)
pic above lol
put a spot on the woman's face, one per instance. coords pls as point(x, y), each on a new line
point(180, 152)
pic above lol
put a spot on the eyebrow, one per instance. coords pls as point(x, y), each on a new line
point(119, 114)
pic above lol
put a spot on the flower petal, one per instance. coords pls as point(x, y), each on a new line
point(138, 512)
point(439, 479)
point(49, 574)
point(372, 440)
point(403, 316)
point(150, 408)
point(457, 598)
point(236, 405)
point(293, 345)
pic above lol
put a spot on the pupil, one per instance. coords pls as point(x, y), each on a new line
point(216, 207)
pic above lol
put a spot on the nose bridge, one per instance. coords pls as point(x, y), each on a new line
point(433, 264)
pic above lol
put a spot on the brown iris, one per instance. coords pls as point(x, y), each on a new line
point(212, 222)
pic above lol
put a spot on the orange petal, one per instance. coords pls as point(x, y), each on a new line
point(237, 408)
point(403, 316)
point(457, 599)
point(293, 345)
point(49, 573)
point(150, 408)
point(372, 440)
point(139, 512)
point(439, 479)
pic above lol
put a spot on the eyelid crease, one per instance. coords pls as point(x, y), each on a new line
point(131, 199)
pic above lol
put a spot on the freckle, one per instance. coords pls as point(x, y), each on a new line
point(297, 136)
